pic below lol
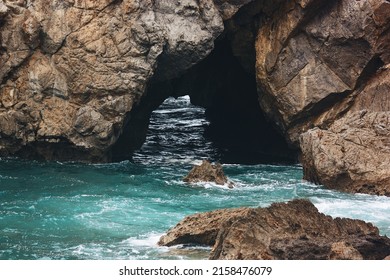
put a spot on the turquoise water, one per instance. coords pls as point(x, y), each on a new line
point(51, 210)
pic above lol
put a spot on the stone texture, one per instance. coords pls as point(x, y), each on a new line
point(72, 71)
point(318, 65)
point(293, 230)
point(200, 228)
point(79, 79)
point(311, 56)
point(207, 172)
point(352, 155)
point(344, 251)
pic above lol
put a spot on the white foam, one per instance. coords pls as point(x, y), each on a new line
point(149, 240)
point(210, 185)
point(365, 207)
point(8, 177)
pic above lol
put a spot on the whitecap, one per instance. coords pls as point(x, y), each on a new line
point(148, 240)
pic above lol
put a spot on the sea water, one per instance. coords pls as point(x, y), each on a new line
point(54, 210)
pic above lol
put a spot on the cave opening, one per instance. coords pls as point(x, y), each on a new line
point(226, 88)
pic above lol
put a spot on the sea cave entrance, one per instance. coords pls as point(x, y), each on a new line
point(234, 124)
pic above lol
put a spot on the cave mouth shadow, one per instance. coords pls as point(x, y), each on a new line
point(238, 129)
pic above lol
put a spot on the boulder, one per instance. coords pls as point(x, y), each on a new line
point(292, 230)
point(207, 172)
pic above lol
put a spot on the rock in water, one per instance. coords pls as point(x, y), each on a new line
point(293, 230)
point(207, 172)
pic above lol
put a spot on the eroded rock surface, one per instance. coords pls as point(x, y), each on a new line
point(318, 65)
point(352, 155)
point(293, 230)
point(79, 79)
point(72, 71)
point(311, 56)
point(207, 172)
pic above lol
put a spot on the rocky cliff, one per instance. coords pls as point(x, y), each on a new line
point(72, 71)
point(79, 79)
point(322, 72)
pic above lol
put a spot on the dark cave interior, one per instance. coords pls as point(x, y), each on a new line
point(227, 90)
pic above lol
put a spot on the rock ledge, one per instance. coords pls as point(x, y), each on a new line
point(292, 230)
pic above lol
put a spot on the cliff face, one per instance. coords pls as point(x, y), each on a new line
point(322, 69)
point(79, 79)
point(72, 71)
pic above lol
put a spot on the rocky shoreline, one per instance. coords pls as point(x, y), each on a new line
point(283, 231)
point(79, 79)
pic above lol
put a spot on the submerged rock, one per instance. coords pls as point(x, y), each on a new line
point(207, 172)
point(293, 230)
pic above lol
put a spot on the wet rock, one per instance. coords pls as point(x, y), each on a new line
point(293, 230)
point(199, 228)
point(207, 172)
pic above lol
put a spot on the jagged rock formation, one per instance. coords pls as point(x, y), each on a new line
point(319, 63)
point(207, 172)
point(293, 230)
point(79, 79)
point(72, 71)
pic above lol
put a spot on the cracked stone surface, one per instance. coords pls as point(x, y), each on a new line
point(71, 71)
point(313, 55)
point(353, 155)
point(295, 230)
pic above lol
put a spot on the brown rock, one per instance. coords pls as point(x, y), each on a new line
point(85, 65)
point(353, 155)
point(3, 9)
point(207, 172)
point(293, 230)
point(311, 57)
point(199, 228)
point(344, 251)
